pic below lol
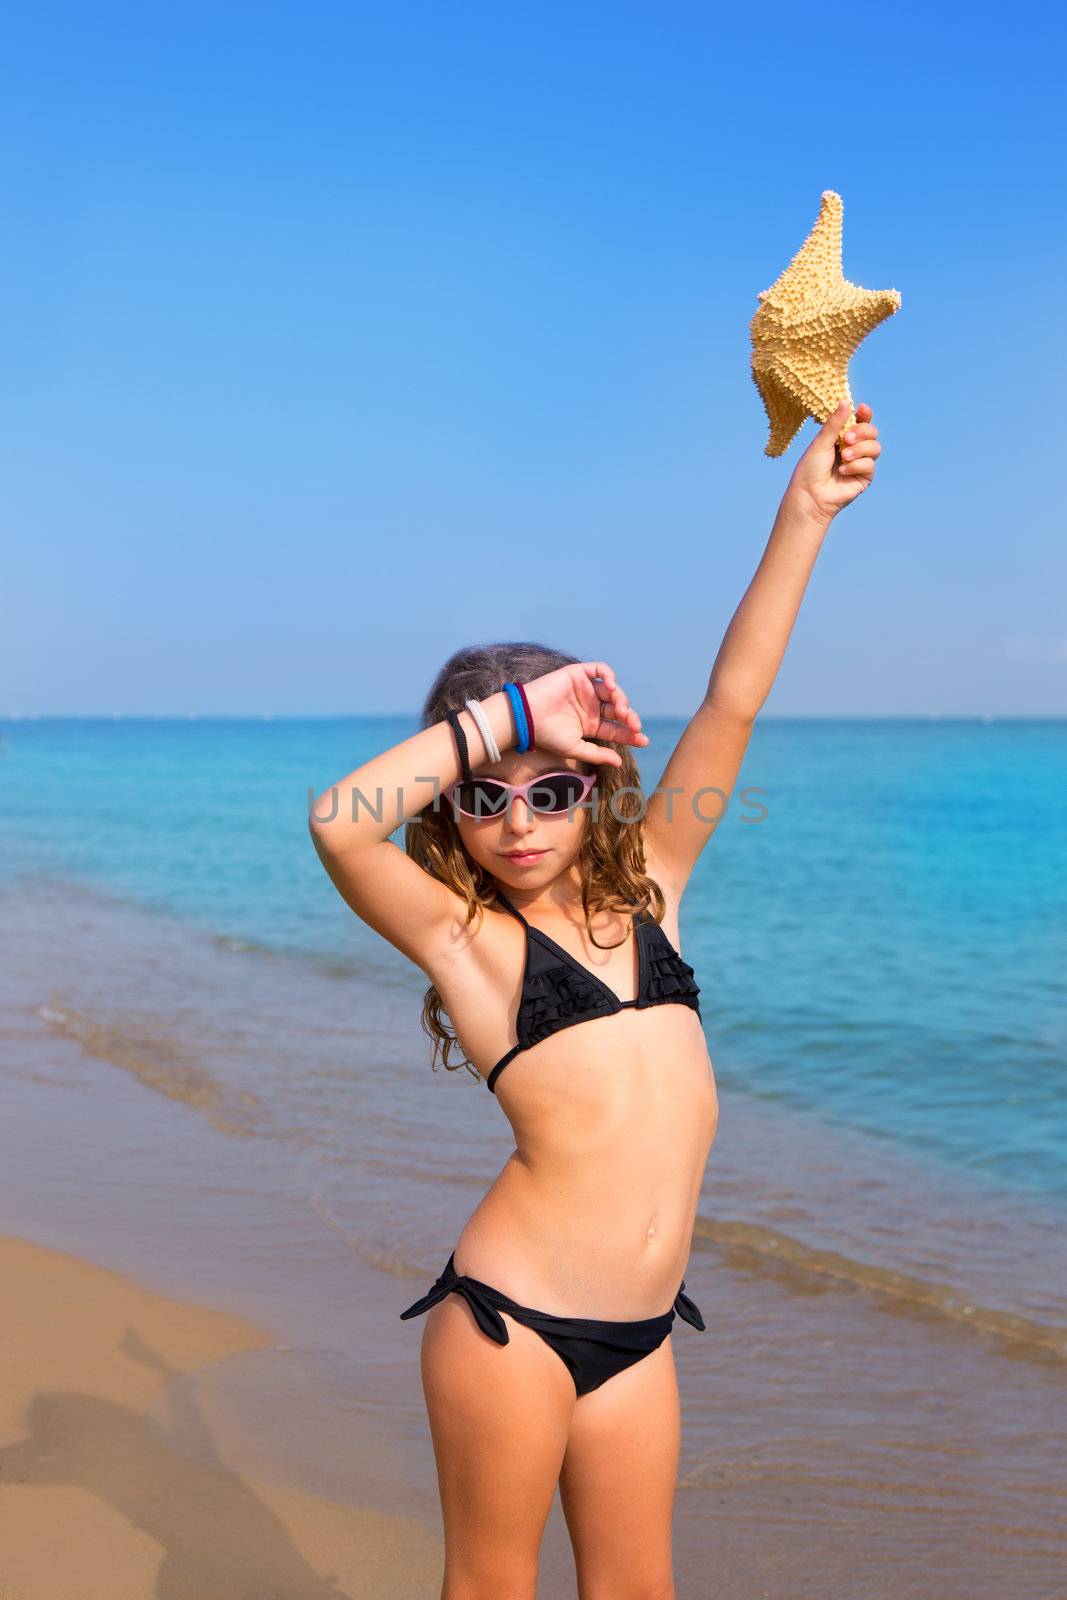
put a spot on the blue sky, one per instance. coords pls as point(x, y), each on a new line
point(336, 337)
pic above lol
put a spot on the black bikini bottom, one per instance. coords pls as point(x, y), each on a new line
point(592, 1351)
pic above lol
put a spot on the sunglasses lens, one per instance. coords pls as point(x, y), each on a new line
point(485, 797)
point(481, 797)
point(558, 792)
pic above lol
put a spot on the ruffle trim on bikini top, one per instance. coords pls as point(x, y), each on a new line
point(555, 996)
point(479, 1296)
point(556, 992)
point(669, 977)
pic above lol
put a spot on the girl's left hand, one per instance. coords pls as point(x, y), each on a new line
point(828, 477)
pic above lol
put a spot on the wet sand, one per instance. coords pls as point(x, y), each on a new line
point(100, 1499)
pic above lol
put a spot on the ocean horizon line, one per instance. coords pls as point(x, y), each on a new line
point(16, 717)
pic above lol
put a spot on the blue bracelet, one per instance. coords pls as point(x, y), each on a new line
point(520, 717)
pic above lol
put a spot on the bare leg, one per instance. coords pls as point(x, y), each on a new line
point(499, 1420)
point(618, 1482)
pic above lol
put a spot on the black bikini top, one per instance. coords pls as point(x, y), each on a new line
point(557, 990)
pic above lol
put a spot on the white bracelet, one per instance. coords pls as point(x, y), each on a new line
point(492, 749)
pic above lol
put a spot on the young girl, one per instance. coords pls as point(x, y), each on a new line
point(540, 895)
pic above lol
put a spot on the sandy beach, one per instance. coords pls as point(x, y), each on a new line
point(96, 1502)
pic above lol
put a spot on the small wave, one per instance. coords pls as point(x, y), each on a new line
point(374, 1256)
point(777, 1251)
point(229, 941)
point(160, 1063)
point(325, 964)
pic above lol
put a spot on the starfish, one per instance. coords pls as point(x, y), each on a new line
point(810, 322)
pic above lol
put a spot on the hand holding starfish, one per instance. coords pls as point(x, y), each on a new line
point(831, 474)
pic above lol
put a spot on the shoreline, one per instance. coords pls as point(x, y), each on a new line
point(112, 1482)
point(287, 1164)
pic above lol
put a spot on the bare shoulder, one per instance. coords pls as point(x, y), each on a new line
point(426, 919)
point(484, 950)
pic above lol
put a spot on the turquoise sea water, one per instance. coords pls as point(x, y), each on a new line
point(880, 932)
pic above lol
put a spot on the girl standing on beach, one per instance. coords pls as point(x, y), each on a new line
point(538, 892)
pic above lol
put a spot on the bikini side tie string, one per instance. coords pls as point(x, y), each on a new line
point(688, 1311)
point(487, 1317)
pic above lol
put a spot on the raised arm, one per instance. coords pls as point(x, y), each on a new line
point(709, 753)
point(351, 821)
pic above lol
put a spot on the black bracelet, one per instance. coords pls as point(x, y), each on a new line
point(461, 744)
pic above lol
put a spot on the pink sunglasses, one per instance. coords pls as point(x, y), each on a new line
point(550, 793)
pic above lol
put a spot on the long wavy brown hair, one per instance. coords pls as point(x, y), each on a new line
point(611, 857)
